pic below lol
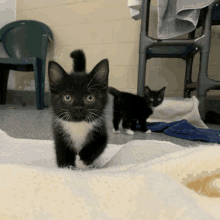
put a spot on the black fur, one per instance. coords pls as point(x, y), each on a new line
point(65, 155)
point(133, 108)
point(79, 63)
point(79, 87)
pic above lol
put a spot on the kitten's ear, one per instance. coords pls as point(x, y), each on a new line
point(161, 92)
point(101, 71)
point(56, 74)
point(147, 91)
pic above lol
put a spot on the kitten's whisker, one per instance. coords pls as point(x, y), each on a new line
point(109, 110)
point(98, 120)
point(60, 116)
point(94, 115)
point(94, 110)
point(100, 113)
point(101, 116)
point(88, 118)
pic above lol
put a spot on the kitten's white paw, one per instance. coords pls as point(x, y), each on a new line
point(80, 164)
point(129, 132)
point(116, 132)
point(148, 132)
point(71, 167)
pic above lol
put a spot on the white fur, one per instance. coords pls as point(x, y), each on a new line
point(78, 132)
point(80, 164)
point(153, 108)
point(116, 132)
point(129, 132)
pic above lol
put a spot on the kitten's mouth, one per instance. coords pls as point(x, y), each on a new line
point(78, 117)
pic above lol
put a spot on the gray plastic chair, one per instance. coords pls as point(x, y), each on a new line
point(25, 42)
point(181, 48)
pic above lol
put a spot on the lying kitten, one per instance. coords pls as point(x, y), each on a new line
point(78, 102)
point(132, 108)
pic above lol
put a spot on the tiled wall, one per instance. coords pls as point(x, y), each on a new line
point(105, 29)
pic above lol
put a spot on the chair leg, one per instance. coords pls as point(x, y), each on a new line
point(188, 77)
point(203, 83)
point(4, 73)
point(38, 84)
point(41, 79)
point(141, 73)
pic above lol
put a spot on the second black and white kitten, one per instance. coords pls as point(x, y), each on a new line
point(78, 102)
point(132, 108)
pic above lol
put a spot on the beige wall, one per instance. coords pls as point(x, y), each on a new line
point(105, 29)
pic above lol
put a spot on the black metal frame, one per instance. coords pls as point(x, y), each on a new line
point(201, 44)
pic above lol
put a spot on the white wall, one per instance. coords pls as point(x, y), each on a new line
point(7, 11)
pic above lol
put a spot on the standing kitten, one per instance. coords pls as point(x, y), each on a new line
point(132, 108)
point(78, 102)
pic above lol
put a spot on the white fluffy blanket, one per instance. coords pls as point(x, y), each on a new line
point(173, 109)
point(40, 152)
point(153, 190)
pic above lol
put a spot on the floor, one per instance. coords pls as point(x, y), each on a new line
point(29, 123)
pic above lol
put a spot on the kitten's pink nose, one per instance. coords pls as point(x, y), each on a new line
point(78, 109)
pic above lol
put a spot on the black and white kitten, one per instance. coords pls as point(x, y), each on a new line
point(133, 108)
point(78, 102)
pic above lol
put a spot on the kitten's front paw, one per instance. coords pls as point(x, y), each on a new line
point(129, 132)
point(71, 167)
point(148, 132)
point(80, 164)
point(116, 132)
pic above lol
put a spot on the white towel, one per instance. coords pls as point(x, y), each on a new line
point(40, 152)
point(175, 17)
point(135, 8)
point(175, 110)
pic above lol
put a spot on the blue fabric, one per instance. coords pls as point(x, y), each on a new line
point(183, 129)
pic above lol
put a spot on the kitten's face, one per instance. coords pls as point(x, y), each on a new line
point(79, 96)
point(153, 98)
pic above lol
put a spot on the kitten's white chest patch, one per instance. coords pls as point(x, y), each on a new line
point(78, 132)
point(152, 108)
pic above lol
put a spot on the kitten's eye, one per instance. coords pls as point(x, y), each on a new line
point(159, 99)
point(151, 99)
point(67, 98)
point(90, 98)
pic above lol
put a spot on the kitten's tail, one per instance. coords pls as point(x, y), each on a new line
point(79, 63)
point(114, 91)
